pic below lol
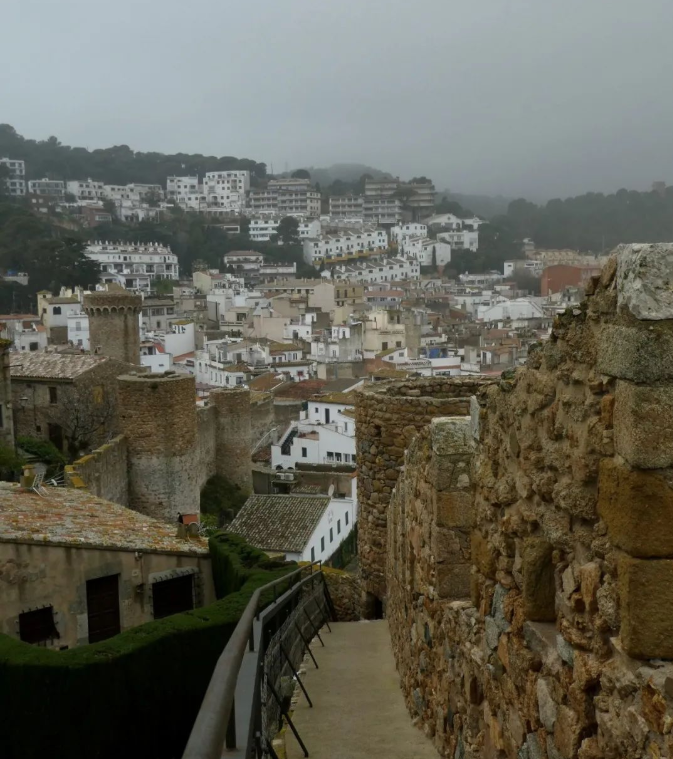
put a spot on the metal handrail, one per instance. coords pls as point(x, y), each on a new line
point(208, 735)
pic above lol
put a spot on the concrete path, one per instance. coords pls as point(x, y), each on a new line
point(358, 708)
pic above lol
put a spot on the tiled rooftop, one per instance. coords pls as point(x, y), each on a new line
point(279, 522)
point(52, 365)
point(75, 518)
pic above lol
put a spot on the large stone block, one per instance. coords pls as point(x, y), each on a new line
point(640, 353)
point(454, 509)
point(646, 607)
point(451, 435)
point(643, 424)
point(637, 507)
point(453, 581)
point(539, 589)
point(483, 556)
point(644, 275)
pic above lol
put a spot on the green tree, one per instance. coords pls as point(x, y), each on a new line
point(165, 286)
point(288, 231)
point(110, 207)
point(434, 258)
point(301, 174)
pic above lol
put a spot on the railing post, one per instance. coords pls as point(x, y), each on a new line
point(230, 740)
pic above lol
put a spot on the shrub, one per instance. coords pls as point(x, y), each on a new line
point(44, 450)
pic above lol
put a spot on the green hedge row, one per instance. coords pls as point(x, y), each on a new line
point(135, 695)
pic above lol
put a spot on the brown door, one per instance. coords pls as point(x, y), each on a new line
point(173, 596)
point(102, 606)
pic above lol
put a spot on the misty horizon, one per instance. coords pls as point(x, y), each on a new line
point(518, 101)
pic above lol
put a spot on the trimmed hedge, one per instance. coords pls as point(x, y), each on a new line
point(135, 695)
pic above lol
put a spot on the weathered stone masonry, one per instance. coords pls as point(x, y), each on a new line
point(388, 416)
point(114, 326)
point(558, 647)
point(168, 448)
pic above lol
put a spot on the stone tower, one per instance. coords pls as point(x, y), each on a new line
point(114, 327)
point(233, 436)
point(158, 417)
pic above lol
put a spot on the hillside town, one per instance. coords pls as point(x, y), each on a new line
point(277, 404)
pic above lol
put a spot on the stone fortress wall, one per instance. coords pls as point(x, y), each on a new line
point(388, 416)
point(530, 547)
point(168, 448)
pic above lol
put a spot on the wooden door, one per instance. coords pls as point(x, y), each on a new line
point(102, 607)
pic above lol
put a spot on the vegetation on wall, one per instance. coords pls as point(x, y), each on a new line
point(221, 499)
point(135, 695)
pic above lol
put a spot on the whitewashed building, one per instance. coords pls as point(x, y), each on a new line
point(346, 206)
point(263, 229)
point(135, 266)
point(226, 189)
point(15, 183)
point(339, 247)
point(415, 229)
point(53, 189)
point(297, 526)
point(324, 435)
point(78, 330)
point(381, 270)
point(86, 190)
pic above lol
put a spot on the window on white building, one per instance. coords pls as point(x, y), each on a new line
point(304, 453)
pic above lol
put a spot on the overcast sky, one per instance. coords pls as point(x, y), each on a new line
point(519, 97)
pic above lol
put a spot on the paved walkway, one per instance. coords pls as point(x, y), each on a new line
point(358, 708)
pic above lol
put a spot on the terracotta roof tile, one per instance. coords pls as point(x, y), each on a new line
point(53, 365)
point(279, 522)
point(74, 517)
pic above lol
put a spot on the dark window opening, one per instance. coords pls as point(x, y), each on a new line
point(38, 625)
point(373, 607)
point(338, 527)
point(102, 607)
point(331, 535)
point(312, 554)
point(53, 395)
point(322, 544)
point(173, 596)
point(55, 433)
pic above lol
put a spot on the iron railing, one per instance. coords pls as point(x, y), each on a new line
point(247, 697)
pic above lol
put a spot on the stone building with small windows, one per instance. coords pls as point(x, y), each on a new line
point(77, 569)
point(69, 399)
